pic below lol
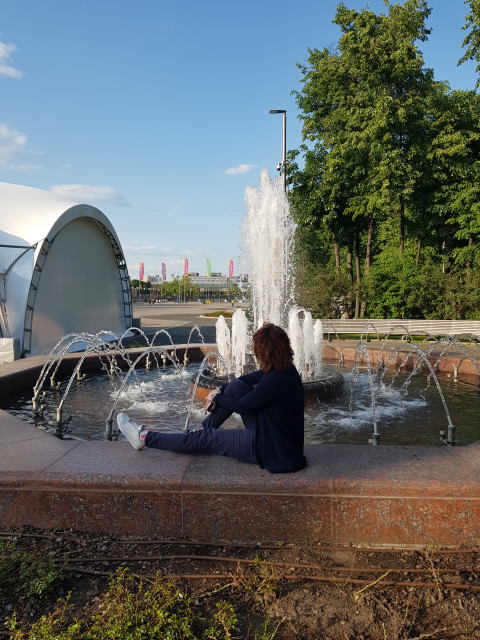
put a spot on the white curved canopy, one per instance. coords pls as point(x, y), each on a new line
point(62, 269)
point(11, 248)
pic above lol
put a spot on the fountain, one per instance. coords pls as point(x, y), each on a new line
point(269, 236)
point(411, 392)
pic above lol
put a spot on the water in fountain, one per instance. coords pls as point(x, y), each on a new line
point(113, 359)
point(269, 237)
point(400, 402)
point(269, 233)
point(239, 342)
point(307, 343)
point(223, 346)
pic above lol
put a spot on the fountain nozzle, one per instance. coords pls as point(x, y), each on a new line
point(448, 437)
point(108, 428)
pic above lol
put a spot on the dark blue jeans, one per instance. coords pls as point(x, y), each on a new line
point(234, 443)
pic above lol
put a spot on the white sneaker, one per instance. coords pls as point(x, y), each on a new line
point(131, 430)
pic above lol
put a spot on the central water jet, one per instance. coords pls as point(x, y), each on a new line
point(269, 246)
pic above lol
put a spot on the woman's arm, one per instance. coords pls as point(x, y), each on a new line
point(263, 394)
point(253, 378)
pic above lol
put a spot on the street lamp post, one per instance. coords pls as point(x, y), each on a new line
point(284, 159)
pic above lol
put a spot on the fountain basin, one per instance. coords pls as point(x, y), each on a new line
point(386, 496)
point(159, 397)
point(330, 385)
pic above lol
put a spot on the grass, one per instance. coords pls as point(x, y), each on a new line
point(217, 314)
point(142, 608)
point(28, 574)
point(131, 608)
point(371, 335)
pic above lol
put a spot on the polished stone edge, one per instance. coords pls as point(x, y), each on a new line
point(352, 495)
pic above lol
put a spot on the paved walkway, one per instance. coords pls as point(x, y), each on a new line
point(178, 320)
point(352, 495)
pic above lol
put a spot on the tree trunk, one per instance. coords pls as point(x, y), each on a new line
point(357, 274)
point(368, 258)
point(336, 251)
point(368, 253)
point(350, 278)
point(470, 242)
point(419, 245)
point(402, 226)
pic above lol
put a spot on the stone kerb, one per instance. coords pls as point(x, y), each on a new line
point(352, 495)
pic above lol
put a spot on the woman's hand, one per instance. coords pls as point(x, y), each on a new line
point(209, 403)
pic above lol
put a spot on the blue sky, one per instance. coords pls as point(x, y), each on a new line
point(158, 112)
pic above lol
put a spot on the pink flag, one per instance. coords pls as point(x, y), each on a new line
point(230, 269)
point(185, 266)
point(142, 271)
point(164, 271)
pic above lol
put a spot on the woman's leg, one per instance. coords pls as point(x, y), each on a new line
point(234, 443)
point(235, 389)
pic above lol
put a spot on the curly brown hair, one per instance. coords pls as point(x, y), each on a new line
point(271, 347)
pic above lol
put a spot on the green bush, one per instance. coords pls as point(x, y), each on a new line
point(133, 610)
point(28, 574)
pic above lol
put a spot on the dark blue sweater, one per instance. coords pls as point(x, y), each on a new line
point(277, 399)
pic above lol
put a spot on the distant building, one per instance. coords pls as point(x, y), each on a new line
point(216, 282)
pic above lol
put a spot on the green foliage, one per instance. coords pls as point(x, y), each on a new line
point(217, 314)
point(261, 582)
point(266, 634)
point(397, 289)
point(28, 573)
point(323, 292)
point(472, 39)
point(133, 610)
point(167, 289)
point(386, 187)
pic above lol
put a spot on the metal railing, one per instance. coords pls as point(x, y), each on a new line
point(382, 327)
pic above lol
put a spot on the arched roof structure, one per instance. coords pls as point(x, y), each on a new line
point(62, 270)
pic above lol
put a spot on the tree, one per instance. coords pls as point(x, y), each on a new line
point(472, 39)
point(364, 109)
point(455, 160)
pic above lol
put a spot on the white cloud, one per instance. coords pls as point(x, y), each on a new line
point(12, 142)
point(28, 167)
point(242, 168)
point(85, 193)
point(143, 249)
point(6, 69)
